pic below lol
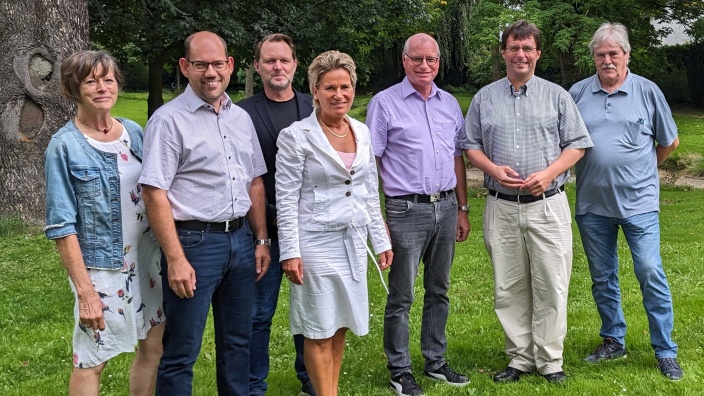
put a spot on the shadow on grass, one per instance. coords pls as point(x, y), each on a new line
point(12, 225)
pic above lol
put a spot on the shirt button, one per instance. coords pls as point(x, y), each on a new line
point(348, 193)
point(518, 129)
point(347, 182)
point(517, 146)
point(351, 172)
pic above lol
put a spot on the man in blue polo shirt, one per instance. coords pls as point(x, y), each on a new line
point(633, 132)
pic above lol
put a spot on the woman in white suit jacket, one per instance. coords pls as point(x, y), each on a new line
point(328, 206)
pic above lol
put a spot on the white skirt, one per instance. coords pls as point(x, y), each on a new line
point(334, 292)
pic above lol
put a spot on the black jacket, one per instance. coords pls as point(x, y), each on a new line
point(258, 110)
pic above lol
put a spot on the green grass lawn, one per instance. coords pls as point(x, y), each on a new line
point(36, 314)
point(691, 129)
point(36, 309)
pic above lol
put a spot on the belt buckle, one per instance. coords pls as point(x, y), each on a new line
point(434, 197)
point(227, 225)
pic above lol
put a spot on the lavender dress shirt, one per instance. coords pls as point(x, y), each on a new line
point(416, 140)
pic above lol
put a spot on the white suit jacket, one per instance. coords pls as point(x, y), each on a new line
point(315, 192)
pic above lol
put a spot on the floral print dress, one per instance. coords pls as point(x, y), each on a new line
point(131, 297)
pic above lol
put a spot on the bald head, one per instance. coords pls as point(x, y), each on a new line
point(198, 37)
point(421, 62)
point(420, 39)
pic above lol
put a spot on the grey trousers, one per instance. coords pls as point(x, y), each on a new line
point(419, 231)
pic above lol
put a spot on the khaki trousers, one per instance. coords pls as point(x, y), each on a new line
point(530, 246)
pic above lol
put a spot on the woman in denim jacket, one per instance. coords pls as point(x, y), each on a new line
point(95, 214)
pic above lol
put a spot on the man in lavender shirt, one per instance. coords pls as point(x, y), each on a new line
point(418, 136)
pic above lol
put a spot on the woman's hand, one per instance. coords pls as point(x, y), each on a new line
point(293, 268)
point(90, 307)
point(90, 311)
point(385, 259)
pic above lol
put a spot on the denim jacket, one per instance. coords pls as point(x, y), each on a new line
point(83, 194)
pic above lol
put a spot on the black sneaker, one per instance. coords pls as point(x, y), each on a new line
point(307, 388)
point(607, 350)
point(670, 369)
point(445, 373)
point(406, 385)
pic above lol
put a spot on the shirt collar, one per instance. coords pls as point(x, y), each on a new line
point(407, 89)
point(194, 102)
point(527, 87)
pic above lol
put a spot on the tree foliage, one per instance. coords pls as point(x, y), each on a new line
point(373, 32)
point(567, 27)
point(369, 30)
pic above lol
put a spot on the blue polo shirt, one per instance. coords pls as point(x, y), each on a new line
point(618, 177)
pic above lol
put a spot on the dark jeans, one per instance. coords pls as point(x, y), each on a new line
point(225, 273)
point(265, 299)
point(419, 231)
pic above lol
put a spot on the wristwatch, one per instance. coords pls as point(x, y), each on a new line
point(265, 242)
point(463, 208)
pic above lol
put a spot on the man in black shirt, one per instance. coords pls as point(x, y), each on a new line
point(276, 107)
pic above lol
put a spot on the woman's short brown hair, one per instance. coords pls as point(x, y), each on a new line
point(328, 61)
point(82, 64)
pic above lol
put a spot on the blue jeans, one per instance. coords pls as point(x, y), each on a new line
point(419, 231)
point(642, 232)
point(225, 273)
point(265, 299)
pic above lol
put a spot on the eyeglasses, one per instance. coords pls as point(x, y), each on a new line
point(418, 60)
point(526, 49)
point(200, 66)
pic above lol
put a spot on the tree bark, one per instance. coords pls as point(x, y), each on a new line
point(568, 69)
point(249, 81)
point(35, 36)
point(155, 98)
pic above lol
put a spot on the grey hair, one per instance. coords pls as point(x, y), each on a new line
point(328, 61)
point(615, 32)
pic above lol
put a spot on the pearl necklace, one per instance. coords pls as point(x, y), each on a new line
point(105, 131)
point(344, 135)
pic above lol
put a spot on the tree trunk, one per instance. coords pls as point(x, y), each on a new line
point(496, 72)
point(35, 36)
point(155, 98)
point(249, 81)
point(568, 69)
